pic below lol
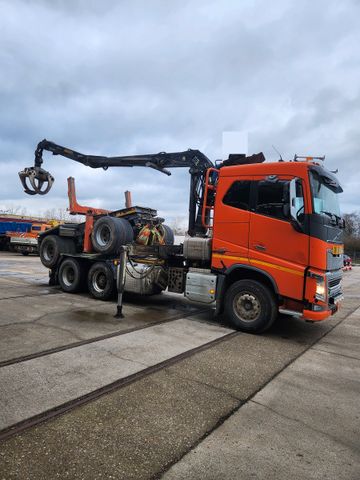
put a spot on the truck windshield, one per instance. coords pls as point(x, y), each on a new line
point(325, 199)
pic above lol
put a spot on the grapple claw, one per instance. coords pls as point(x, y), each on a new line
point(38, 178)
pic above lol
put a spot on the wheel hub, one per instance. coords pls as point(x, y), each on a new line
point(99, 281)
point(68, 276)
point(103, 235)
point(49, 252)
point(247, 307)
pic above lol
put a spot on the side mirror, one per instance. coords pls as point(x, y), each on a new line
point(294, 207)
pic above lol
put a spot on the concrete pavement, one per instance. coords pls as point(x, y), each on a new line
point(37, 385)
point(304, 424)
point(35, 317)
point(140, 430)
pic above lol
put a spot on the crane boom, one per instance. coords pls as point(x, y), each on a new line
point(36, 180)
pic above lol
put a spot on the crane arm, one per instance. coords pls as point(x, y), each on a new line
point(41, 180)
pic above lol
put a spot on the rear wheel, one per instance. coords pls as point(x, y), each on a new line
point(250, 306)
point(101, 282)
point(51, 248)
point(71, 275)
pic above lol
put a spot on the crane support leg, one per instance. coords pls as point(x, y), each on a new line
point(120, 281)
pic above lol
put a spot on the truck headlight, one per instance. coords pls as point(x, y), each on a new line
point(320, 292)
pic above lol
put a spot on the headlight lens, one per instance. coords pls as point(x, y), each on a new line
point(320, 292)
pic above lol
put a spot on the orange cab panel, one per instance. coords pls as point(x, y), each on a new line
point(231, 223)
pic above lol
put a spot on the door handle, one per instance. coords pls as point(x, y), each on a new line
point(220, 250)
point(260, 247)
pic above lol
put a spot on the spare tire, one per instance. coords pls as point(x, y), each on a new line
point(109, 233)
point(167, 234)
point(51, 248)
point(71, 275)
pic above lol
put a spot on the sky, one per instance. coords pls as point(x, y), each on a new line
point(137, 76)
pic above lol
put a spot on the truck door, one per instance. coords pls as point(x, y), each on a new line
point(274, 245)
point(231, 221)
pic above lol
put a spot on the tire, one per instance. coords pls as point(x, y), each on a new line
point(167, 233)
point(250, 306)
point(25, 253)
point(109, 233)
point(51, 248)
point(71, 275)
point(101, 282)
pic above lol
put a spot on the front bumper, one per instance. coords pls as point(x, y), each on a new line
point(318, 310)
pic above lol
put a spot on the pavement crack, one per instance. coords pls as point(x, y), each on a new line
point(112, 354)
point(213, 387)
point(335, 353)
point(287, 417)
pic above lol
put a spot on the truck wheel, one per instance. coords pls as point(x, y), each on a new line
point(250, 306)
point(110, 233)
point(71, 275)
point(25, 253)
point(167, 233)
point(101, 282)
point(51, 248)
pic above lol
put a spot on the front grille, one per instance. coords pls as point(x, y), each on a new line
point(334, 285)
point(334, 282)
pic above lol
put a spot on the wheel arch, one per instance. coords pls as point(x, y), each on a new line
point(240, 272)
point(50, 231)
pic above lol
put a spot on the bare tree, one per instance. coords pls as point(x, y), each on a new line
point(352, 235)
point(352, 224)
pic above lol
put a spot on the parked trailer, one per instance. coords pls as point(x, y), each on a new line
point(17, 228)
point(27, 242)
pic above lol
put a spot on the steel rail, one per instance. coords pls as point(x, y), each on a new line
point(111, 387)
point(61, 348)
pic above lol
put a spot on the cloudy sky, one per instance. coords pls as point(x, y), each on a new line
point(142, 76)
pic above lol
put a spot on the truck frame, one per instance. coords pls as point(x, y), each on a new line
point(263, 237)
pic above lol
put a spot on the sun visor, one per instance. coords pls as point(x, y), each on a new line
point(328, 178)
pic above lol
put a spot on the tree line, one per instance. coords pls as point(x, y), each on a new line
point(352, 235)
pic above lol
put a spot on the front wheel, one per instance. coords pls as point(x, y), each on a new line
point(250, 306)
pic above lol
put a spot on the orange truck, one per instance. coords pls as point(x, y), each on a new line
point(263, 237)
point(27, 242)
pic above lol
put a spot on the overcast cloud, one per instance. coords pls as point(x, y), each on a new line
point(110, 77)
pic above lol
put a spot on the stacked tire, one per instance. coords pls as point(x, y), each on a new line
point(110, 233)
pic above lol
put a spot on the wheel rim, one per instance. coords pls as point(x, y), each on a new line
point(103, 235)
point(68, 275)
point(246, 307)
point(49, 252)
point(99, 281)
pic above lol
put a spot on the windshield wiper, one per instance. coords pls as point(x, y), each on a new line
point(329, 214)
point(334, 218)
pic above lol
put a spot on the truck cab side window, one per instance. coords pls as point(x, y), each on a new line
point(238, 195)
point(299, 201)
point(273, 199)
